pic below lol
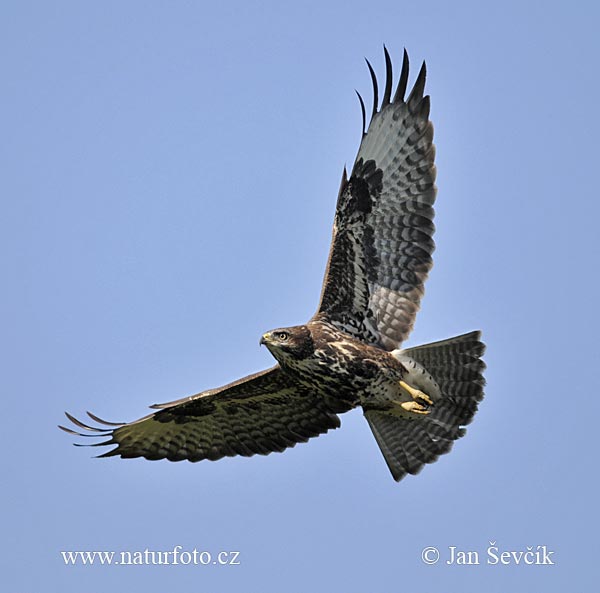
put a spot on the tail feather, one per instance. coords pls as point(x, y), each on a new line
point(408, 444)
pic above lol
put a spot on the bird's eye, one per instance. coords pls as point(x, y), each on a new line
point(282, 336)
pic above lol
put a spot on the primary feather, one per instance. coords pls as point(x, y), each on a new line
point(382, 237)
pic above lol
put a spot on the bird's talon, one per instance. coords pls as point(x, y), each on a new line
point(414, 407)
point(415, 393)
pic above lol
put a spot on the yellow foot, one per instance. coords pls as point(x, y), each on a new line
point(416, 394)
point(414, 407)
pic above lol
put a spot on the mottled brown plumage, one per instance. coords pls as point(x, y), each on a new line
point(416, 401)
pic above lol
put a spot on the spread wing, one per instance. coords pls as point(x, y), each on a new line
point(382, 235)
point(262, 413)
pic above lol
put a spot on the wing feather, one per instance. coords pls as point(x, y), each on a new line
point(383, 229)
point(259, 414)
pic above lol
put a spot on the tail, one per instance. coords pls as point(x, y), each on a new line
point(408, 444)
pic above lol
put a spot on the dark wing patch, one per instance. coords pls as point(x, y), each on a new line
point(259, 414)
point(382, 236)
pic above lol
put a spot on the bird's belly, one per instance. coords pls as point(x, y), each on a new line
point(333, 380)
point(380, 394)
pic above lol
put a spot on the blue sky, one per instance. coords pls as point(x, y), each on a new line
point(168, 188)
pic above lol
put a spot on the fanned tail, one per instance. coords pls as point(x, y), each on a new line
point(456, 366)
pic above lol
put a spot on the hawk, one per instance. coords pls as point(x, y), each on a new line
point(417, 401)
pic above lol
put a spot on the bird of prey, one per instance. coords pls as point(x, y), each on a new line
point(417, 401)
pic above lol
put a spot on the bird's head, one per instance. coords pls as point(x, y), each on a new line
point(289, 342)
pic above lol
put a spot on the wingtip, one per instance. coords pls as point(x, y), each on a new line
point(386, 54)
point(416, 95)
point(363, 112)
point(101, 421)
point(423, 70)
point(375, 88)
point(110, 453)
point(91, 431)
point(389, 75)
point(80, 424)
point(70, 417)
point(403, 82)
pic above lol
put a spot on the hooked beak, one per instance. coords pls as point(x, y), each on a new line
point(264, 340)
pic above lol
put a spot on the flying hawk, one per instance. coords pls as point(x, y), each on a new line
point(416, 400)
